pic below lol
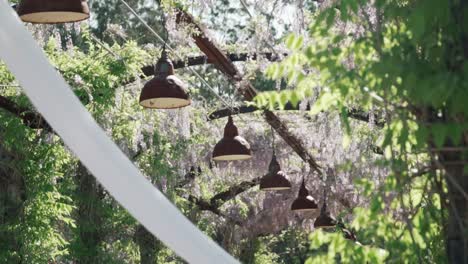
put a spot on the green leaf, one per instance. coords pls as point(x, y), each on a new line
point(298, 43)
point(418, 23)
point(455, 132)
point(377, 204)
point(345, 120)
point(330, 16)
point(290, 40)
point(439, 134)
point(295, 98)
point(422, 135)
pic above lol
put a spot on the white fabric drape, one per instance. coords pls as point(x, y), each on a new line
point(54, 99)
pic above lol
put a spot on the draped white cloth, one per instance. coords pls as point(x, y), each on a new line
point(54, 99)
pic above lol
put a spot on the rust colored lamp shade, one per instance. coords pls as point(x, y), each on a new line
point(165, 90)
point(53, 11)
point(324, 220)
point(304, 202)
point(231, 146)
point(275, 179)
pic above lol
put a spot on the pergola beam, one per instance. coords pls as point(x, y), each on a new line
point(148, 70)
point(245, 109)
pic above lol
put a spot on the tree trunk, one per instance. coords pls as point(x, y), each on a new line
point(12, 197)
point(457, 183)
point(248, 248)
point(89, 218)
point(454, 163)
point(148, 245)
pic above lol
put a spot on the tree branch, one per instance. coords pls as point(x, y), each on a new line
point(214, 203)
point(204, 205)
point(29, 117)
point(222, 197)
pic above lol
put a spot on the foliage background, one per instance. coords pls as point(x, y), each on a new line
point(397, 181)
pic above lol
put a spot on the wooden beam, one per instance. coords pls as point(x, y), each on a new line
point(225, 65)
point(148, 70)
point(352, 113)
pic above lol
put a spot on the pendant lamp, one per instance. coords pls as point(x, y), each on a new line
point(324, 220)
point(304, 201)
point(275, 179)
point(165, 90)
point(231, 146)
point(53, 11)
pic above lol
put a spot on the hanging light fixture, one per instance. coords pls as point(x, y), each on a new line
point(165, 90)
point(53, 11)
point(304, 201)
point(324, 220)
point(275, 179)
point(231, 146)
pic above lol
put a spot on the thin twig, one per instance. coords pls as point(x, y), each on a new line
point(451, 179)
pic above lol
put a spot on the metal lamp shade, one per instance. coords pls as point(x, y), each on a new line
point(53, 11)
point(325, 220)
point(275, 179)
point(304, 202)
point(231, 146)
point(165, 90)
